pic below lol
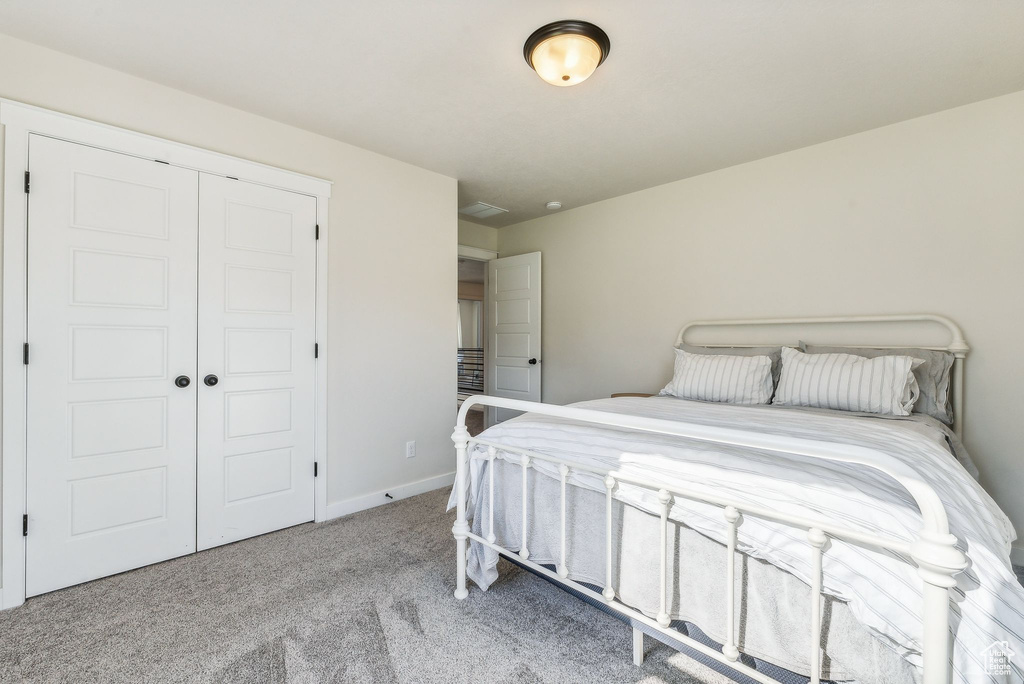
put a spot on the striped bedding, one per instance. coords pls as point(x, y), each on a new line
point(882, 592)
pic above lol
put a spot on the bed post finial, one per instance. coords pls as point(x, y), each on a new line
point(460, 530)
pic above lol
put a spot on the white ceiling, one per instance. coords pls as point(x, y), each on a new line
point(689, 86)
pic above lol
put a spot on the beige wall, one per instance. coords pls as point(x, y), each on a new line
point(922, 216)
point(475, 235)
point(383, 389)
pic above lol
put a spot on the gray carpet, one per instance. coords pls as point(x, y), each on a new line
point(366, 598)
point(475, 422)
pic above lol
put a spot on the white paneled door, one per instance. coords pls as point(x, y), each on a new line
point(256, 359)
point(513, 367)
point(111, 446)
point(171, 368)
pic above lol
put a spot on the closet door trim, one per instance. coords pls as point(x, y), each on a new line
point(19, 121)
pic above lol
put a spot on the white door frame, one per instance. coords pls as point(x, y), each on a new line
point(476, 254)
point(19, 121)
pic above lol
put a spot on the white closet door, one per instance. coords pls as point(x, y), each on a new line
point(111, 323)
point(256, 336)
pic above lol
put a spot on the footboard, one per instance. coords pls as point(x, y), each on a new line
point(933, 551)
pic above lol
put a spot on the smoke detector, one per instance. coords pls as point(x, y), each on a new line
point(480, 210)
point(551, 206)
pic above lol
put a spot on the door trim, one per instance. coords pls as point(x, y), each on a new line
point(19, 121)
point(476, 254)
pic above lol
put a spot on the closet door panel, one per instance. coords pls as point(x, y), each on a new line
point(256, 336)
point(112, 244)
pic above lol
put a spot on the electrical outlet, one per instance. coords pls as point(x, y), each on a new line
point(410, 449)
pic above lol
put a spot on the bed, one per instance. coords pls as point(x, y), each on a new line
point(832, 545)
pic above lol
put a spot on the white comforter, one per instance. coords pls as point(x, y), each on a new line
point(883, 592)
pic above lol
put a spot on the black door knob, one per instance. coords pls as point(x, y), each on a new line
point(210, 380)
point(532, 362)
point(182, 381)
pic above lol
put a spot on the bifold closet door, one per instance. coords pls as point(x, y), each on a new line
point(111, 451)
point(256, 359)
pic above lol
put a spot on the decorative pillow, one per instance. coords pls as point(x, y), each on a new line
point(774, 353)
point(731, 379)
point(884, 385)
point(932, 375)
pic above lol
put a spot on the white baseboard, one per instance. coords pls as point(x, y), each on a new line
point(1017, 554)
point(361, 503)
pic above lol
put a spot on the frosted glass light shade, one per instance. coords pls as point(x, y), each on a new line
point(567, 59)
point(566, 52)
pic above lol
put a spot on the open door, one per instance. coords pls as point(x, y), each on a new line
point(513, 331)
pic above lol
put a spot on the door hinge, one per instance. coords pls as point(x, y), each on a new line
point(316, 350)
point(24, 525)
point(24, 354)
point(318, 231)
point(316, 468)
point(28, 181)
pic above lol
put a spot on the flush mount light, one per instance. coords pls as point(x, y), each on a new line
point(565, 53)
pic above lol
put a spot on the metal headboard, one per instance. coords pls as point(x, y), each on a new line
point(957, 345)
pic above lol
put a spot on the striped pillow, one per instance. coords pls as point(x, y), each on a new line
point(730, 379)
point(932, 375)
point(884, 385)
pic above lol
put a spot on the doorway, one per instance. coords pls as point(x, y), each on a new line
point(472, 275)
point(499, 321)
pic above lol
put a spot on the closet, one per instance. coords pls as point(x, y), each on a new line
point(171, 378)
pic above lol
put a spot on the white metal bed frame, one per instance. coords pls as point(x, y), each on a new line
point(933, 551)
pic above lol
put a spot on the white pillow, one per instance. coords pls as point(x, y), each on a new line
point(730, 379)
point(884, 385)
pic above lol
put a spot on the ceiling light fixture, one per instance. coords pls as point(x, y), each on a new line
point(565, 53)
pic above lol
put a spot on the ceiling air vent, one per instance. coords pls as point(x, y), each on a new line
point(480, 210)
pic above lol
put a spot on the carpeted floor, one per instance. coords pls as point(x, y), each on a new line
point(366, 598)
point(475, 422)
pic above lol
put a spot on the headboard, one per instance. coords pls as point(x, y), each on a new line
point(956, 345)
